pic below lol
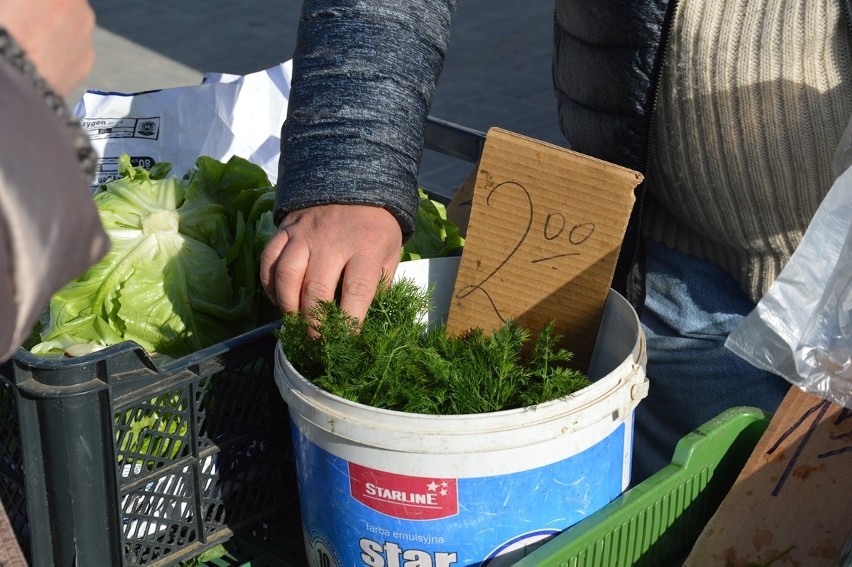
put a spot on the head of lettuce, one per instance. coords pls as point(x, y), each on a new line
point(182, 272)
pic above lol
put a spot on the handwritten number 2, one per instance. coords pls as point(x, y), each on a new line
point(467, 290)
point(554, 226)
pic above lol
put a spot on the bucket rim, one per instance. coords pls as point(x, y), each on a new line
point(615, 391)
point(605, 405)
point(305, 386)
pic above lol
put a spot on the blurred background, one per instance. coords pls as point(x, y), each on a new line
point(497, 70)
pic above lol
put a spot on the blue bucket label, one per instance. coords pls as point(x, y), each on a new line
point(355, 515)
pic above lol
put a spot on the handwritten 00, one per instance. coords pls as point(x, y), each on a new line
point(554, 226)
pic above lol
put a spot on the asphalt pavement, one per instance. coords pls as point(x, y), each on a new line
point(497, 70)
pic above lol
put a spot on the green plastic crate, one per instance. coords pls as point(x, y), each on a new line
point(657, 522)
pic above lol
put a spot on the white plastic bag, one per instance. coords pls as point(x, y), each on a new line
point(802, 328)
point(224, 116)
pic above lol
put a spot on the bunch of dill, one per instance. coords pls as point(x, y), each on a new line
point(392, 359)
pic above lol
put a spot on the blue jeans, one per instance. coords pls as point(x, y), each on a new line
point(690, 308)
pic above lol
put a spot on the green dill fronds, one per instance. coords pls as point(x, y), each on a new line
point(393, 360)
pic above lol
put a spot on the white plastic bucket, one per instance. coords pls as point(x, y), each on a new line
point(391, 489)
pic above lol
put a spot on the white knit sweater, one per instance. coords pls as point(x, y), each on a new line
point(754, 98)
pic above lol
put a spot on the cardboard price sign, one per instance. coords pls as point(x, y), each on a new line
point(543, 235)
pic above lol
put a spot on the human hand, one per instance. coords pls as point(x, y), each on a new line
point(314, 247)
point(56, 36)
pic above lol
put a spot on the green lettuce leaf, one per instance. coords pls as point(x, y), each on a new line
point(434, 236)
point(182, 270)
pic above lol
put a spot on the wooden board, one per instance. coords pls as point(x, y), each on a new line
point(793, 499)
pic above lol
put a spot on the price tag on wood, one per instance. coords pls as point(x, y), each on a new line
point(544, 232)
point(790, 504)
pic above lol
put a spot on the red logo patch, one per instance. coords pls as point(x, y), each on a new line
point(401, 496)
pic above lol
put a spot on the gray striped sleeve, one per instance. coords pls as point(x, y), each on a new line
point(364, 73)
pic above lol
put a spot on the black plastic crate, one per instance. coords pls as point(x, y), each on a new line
point(110, 459)
point(114, 460)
